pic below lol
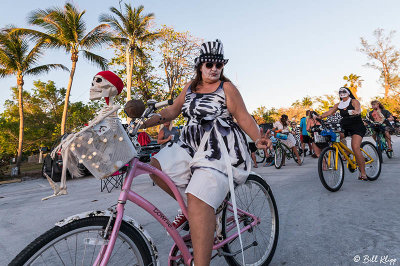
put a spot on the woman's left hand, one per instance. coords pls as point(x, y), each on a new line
point(262, 143)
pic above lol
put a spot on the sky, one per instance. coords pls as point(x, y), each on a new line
point(279, 51)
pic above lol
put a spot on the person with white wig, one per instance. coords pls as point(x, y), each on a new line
point(351, 124)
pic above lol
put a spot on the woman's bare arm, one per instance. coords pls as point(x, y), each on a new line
point(330, 112)
point(237, 108)
point(170, 112)
point(160, 137)
point(357, 107)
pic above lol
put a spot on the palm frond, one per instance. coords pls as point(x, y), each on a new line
point(4, 72)
point(45, 69)
point(45, 19)
point(120, 40)
point(96, 59)
point(114, 24)
point(97, 37)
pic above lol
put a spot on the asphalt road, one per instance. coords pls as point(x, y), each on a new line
point(317, 227)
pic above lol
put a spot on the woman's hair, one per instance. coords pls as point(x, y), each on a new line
point(284, 119)
point(198, 79)
point(312, 113)
point(379, 103)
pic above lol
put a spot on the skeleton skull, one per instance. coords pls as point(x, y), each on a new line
point(101, 88)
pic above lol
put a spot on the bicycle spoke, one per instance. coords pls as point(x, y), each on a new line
point(69, 251)
point(58, 255)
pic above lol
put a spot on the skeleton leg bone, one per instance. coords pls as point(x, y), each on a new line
point(62, 189)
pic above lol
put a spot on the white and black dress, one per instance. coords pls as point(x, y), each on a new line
point(197, 162)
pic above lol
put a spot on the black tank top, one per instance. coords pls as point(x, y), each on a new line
point(347, 118)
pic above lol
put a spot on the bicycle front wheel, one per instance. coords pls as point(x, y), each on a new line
point(79, 243)
point(330, 173)
point(372, 160)
point(279, 153)
point(259, 242)
point(260, 155)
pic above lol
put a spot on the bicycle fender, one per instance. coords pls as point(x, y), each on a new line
point(129, 220)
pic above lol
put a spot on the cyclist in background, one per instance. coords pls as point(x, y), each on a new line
point(313, 125)
point(305, 138)
point(380, 115)
point(283, 126)
point(351, 124)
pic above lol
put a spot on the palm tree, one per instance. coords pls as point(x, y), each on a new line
point(65, 28)
point(131, 30)
point(16, 59)
point(353, 82)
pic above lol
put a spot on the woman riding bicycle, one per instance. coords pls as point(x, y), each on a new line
point(283, 126)
point(313, 125)
point(380, 115)
point(197, 163)
point(351, 124)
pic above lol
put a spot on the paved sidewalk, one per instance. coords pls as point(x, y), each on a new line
point(317, 227)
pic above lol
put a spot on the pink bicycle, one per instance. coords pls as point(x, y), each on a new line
point(110, 237)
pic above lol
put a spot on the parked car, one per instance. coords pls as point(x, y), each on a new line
point(147, 151)
point(53, 167)
point(149, 146)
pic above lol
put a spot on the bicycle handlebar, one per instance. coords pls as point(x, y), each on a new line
point(164, 103)
point(135, 124)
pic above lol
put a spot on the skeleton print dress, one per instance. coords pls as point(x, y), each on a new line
point(211, 147)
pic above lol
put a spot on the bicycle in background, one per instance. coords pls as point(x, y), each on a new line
point(281, 151)
point(378, 130)
point(330, 162)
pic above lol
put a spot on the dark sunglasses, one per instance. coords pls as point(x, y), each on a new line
point(217, 65)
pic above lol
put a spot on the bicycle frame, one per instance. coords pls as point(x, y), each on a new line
point(288, 152)
point(138, 168)
point(343, 149)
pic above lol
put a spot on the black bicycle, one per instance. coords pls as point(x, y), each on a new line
point(381, 145)
point(282, 151)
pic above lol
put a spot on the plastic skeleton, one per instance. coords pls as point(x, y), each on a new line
point(81, 147)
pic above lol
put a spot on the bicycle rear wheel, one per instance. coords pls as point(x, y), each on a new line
point(255, 197)
point(260, 155)
point(279, 153)
point(79, 243)
point(379, 146)
point(373, 169)
point(331, 177)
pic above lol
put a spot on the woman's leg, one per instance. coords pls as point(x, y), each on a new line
point(296, 152)
point(253, 157)
point(317, 150)
point(388, 139)
point(355, 145)
point(154, 162)
point(202, 227)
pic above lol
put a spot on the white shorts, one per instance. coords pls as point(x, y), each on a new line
point(206, 184)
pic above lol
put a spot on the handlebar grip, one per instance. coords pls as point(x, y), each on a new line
point(163, 103)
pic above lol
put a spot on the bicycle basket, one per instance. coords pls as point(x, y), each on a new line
point(331, 135)
point(320, 139)
point(282, 136)
point(104, 148)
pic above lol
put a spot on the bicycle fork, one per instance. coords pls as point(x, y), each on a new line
point(108, 244)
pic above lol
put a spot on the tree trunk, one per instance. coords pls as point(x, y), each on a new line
point(66, 103)
point(386, 90)
point(20, 82)
point(129, 74)
point(129, 71)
